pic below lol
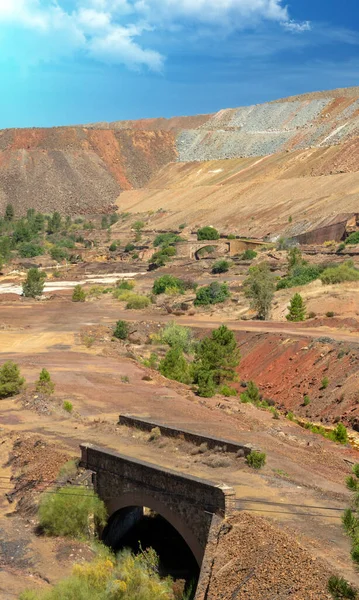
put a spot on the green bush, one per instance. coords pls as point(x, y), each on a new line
point(177, 336)
point(68, 406)
point(297, 310)
point(44, 385)
point(33, 286)
point(58, 254)
point(340, 589)
point(66, 243)
point(300, 275)
point(166, 239)
point(227, 391)
point(221, 266)
point(306, 401)
point(212, 294)
point(251, 394)
point(206, 386)
point(160, 258)
point(11, 381)
point(353, 238)
point(29, 250)
point(249, 254)
point(9, 213)
point(340, 434)
point(341, 273)
point(124, 284)
point(137, 302)
point(79, 294)
point(256, 460)
point(129, 247)
point(325, 383)
point(121, 330)
point(113, 247)
point(207, 233)
point(165, 282)
point(174, 366)
point(69, 512)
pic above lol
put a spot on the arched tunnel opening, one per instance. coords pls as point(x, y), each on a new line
point(140, 528)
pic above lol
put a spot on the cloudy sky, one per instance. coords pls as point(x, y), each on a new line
point(78, 61)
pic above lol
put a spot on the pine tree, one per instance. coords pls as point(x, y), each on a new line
point(34, 284)
point(297, 310)
point(79, 294)
point(44, 384)
point(174, 366)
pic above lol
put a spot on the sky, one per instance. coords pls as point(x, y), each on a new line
point(65, 62)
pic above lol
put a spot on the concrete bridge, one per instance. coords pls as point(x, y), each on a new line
point(126, 485)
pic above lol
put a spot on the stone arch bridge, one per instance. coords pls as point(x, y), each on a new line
point(127, 485)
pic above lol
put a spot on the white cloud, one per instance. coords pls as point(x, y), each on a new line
point(111, 30)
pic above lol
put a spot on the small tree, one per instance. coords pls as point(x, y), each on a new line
point(214, 293)
point(216, 358)
point(33, 286)
point(167, 282)
point(9, 213)
point(104, 222)
point(121, 330)
point(297, 310)
point(294, 258)
point(11, 381)
point(79, 294)
point(207, 233)
point(259, 287)
point(174, 366)
point(44, 385)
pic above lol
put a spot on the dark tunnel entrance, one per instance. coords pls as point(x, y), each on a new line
point(141, 528)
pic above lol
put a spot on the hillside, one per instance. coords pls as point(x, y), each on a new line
point(250, 158)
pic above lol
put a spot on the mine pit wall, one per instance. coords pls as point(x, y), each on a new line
point(187, 503)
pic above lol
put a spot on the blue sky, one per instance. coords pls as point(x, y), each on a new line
point(80, 61)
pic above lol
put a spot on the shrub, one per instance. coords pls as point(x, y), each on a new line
point(311, 315)
point(69, 512)
point(296, 309)
point(295, 258)
point(177, 336)
point(29, 250)
point(66, 243)
point(212, 294)
point(113, 247)
point(259, 287)
point(68, 406)
point(249, 254)
point(206, 386)
point(339, 274)
point(104, 222)
point(126, 577)
point(306, 400)
point(341, 247)
point(325, 383)
point(220, 266)
point(137, 302)
point(113, 218)
point(166, 239)
point(330, 314)
point(340, 434)
point(124, 284)
point(256, 460)
point(227, 391)
point(340, 589)
point(174, 366)
point(11, 381)
point(33, 286)
point(182, 226)
point(58, 254)
point(165, 282)
point(79, 294)
point(300, 275)
point(121, 330)
point(44, 385)
point(207, 233)
point(159, 259)
point(9, 213)
point(353, 238)
point(251, 394)
point(129, 247)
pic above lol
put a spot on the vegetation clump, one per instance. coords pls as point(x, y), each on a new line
point(249, 254)
point(33, 286)
point(341, 273)
point(207, 233)
point(137, 302)
point(121, 330)
point(259, 288)
point(221, 266)
point(69, 511)
point(166, 239)
point(340, 589)
point(45, 385)
point(167, 283)
point(300, 274)
point(79, 294)
point(11, 381)
point(353, 238)
point(174, 366)
point(297, 310)
point(214, 293)
point(124, 577)
point(256, 460)
point(177, 336)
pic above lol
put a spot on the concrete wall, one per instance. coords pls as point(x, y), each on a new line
point(189, 436)
point(187, 503)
